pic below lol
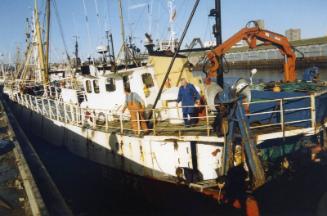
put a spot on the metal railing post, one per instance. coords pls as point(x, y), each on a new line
point(106, 121)
point(65, 119)
point(78, 114)
point(43, 107)
point(56, 93)
point(94, 125)
point(207, 120)
point(31, 102)
point(138, 122)
point(57, 111)
point(313, 112)
point(50, 91)
point(121, 123)
point(37, 105)
point(50, 111)
point(23, 100)
point(72, 112)
point(282, 120)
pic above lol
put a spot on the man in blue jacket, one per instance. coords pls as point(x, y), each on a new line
point(190, 99)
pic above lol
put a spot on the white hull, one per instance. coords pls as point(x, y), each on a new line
point(156, 157)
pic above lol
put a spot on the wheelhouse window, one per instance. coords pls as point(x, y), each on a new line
point(147, 80)
point(96, 86)
point(88, 86)
point(110, 85)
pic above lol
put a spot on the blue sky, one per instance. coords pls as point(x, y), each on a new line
point(278, 15)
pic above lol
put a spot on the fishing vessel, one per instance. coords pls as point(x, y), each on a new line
point(85, 115)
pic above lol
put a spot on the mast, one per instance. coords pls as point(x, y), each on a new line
point(2, 65)
point(46, 62)
point(111, 50)
point(172, 17)
point(76, 48)
point(17, 63)
point(39, 43)
point(122, 30)
point(77, 62)
point(217, 33)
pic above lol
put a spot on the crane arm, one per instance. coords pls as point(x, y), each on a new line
point(251, 35)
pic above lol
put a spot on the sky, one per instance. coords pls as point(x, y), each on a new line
point(142, 16)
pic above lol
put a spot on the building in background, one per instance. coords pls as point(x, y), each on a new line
point(293, 34)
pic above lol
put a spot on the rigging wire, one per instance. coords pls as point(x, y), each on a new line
point(183, 14)
point(97, 12)
point(162, 30)
point(137, 23)
point(99, 35)
point(150, 7)
point(61, 29)
point(206, 29)
point(87, 26)
point(74, 24)
point(108, 14)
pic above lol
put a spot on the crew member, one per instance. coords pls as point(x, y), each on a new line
point(135, 105)
point(190, 99)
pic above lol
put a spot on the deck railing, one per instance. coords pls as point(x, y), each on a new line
point(282, 112)
point(113, 120)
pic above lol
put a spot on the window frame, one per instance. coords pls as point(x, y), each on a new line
point(96, 86)
point(113, 84)
point(88, 86)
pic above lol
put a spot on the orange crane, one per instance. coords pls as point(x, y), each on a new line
point(251, 35)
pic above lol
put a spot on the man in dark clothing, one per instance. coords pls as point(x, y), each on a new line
point(190, 98)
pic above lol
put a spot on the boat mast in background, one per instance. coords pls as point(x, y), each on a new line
point(46, 60)
point(125, 49)
point(77, 59)
point(39, 44)
point(122, 31)
point(111, 50)
point(172, 18)
point(216, 13)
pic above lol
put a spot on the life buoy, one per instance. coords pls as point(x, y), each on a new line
point(101, 119)
point(88, 116)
